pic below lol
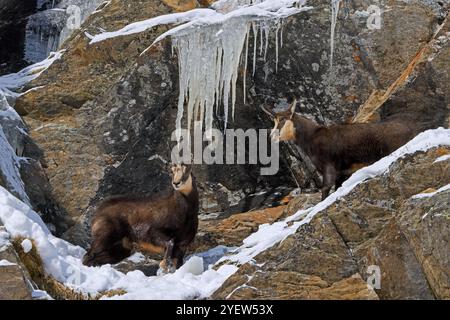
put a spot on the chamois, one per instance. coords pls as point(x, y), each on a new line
point(339, 150)
point(159, 224)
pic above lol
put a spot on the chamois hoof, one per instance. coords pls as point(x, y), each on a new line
point(165, 268)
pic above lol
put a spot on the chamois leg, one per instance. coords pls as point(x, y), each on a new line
point(166, 264)
point(178, 256)
point(329, 180)
point(340, 180)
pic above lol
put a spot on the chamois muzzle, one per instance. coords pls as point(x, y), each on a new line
point(180, 176)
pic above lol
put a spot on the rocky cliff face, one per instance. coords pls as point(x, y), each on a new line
point(119, 116)
point(381, 226)
point(100, 120)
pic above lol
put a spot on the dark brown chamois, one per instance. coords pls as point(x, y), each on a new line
point(159, 224)
point(339, 150)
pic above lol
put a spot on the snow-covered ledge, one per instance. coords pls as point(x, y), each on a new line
point(62, 260)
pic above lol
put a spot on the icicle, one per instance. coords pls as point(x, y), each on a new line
point(266, 29)
point(255, 40)
point(209, 57)
point(47, 29)
point(282, 29)
point(262, 41)
point(335, 4)
point(245, 66)
point(276, 47)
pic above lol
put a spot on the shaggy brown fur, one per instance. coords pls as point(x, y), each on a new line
point(162, 223)
point(339, 150)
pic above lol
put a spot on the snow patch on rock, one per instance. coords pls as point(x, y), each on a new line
point(270, 234)
point(62, 260)
point(27, 245)
point(6, 263)
point(430, 194)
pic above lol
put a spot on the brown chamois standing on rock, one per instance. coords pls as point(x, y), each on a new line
point(337, 151)
point(158, 223)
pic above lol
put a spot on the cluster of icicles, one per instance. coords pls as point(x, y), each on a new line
point(209, 59)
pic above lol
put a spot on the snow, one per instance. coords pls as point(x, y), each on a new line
point(4, 239)
point(6, 263)
point(10, 84)
point(62, 260)
point(269, 235)
point(40, 295)
point(442, 158)
point(42, 34)
point(27, 245)
point(210, 44)
point(179, 285)
point(5, 109)
point(14, 81)
point(144, 25)
point(430, 194)
point(10, 166)
point(136, 258)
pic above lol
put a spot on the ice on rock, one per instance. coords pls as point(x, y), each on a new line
point(4, 238)
point(47, 29)
point(12, 129)
point(42, 34)
point(213, 255)
point(210, 44)
point(9, 168)
point(335, 4)
point(210, 51)
point(209, 70)
point(46, 4)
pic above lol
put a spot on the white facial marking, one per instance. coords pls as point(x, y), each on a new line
point(274, 134)
point(288, 131)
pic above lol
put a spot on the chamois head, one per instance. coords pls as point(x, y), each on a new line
point(181, 178)
point(284, 129)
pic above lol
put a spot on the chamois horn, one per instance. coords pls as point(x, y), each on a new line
point(292, 107)
point(267, 111)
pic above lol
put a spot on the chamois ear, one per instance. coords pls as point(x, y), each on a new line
point(268, 112)
point(292, 108)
